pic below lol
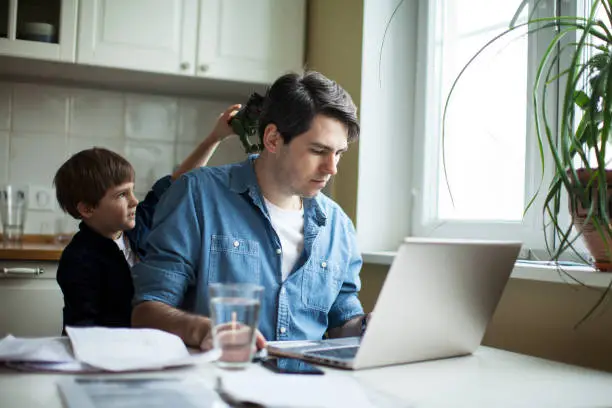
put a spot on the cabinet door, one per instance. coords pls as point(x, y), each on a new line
point(143, 35)
point(30, 304)
point(251, 40)
point(39, 29)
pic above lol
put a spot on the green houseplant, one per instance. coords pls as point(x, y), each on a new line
point(577, 151)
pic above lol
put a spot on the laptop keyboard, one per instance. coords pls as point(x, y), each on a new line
point(344, 353)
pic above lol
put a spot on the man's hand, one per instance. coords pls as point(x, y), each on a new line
point(351, 328)
point(207, 341)
point(222, 129)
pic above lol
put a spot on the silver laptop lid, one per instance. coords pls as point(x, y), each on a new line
point(437, 300)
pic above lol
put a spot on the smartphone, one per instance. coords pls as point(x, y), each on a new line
point(290, 366)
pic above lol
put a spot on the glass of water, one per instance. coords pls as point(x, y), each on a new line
point(234, 314)
point(13, 209)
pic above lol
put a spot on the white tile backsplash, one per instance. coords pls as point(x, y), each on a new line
point(197, 118)
point(34, 158)
point(40, 222)
point(151, 118)
point(151, 160)
point(42, 125)
point(39, 108)
point(5, 105)
point(229, 151)
point(98, 114)
point(4, 157)
point(75, 145)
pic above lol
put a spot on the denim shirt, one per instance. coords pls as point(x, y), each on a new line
point(212, 226)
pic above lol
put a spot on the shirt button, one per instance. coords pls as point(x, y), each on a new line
point(236, 244)
point(323, 264)
point(283, 291)
point(279, 251)
point(283, 330)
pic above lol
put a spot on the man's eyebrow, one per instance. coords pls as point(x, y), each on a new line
point(328, 148)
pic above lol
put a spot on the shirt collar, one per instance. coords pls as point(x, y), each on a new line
point(242, 176)
point(243, 179)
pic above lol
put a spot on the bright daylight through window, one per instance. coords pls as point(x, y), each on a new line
point(486, 121)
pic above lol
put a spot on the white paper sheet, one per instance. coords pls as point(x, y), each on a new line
point(116, 349)
point(289, 390)
point(43, 349)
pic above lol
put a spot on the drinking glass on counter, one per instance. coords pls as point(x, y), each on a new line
point(13, 209)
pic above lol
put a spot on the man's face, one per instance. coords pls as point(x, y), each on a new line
point(116, 211)
point(307, 163)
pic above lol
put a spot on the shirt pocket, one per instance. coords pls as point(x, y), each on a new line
point(233, 260)
point(321, 282)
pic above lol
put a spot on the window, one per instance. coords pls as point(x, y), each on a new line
point(486, 120)
point(491, 151)
point(492, 159)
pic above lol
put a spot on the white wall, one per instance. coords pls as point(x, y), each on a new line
point(42, 125)
point(387, 120)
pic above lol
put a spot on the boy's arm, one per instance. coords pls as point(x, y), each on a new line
point(80, 284)
point(203, 152)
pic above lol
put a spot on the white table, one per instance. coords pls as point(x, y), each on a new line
point(489, 378)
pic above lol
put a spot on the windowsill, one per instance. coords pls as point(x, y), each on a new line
point(543, 272)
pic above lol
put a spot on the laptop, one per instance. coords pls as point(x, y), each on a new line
point(436, 302)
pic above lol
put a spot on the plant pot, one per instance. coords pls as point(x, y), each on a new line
point(600, 250)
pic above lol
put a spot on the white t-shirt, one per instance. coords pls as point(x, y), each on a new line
point(289, 226)
point(124, 245)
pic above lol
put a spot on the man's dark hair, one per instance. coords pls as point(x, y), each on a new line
point(294, 100)
point(87, 176)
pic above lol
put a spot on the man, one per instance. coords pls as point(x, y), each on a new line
point(262, 221)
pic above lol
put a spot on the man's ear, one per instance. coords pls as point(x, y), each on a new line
point(272, 139)
point(85, 210)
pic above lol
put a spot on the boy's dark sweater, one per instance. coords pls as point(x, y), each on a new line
point(94, 274)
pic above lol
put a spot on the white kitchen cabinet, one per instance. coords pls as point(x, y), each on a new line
point(142, 35)
point(251, 40)
point(31, 302)
point(38, 29)
point(237, 40)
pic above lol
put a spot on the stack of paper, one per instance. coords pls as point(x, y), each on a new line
point(100, 349)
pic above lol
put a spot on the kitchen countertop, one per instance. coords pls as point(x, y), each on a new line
point(33, 248)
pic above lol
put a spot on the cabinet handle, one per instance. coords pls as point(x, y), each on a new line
point(23, 271)
point(185, 66)
point(204, 67)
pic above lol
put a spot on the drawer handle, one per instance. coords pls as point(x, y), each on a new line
point(23, 271)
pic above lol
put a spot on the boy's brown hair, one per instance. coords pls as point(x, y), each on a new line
point(87, 176)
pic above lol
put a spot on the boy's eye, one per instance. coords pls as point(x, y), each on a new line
point(121, 195)
point(317, 151)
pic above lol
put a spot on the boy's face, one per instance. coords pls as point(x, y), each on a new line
point(115, 212)
point(310, 159)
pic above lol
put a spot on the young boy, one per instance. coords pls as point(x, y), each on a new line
point(97, 187)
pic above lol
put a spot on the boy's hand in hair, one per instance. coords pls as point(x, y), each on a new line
point(222, 128)
point(203, 152)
